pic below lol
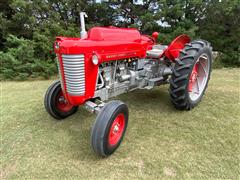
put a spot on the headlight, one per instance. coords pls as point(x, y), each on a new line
point(95, 59)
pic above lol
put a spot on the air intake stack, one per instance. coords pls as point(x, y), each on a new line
point(83, 33)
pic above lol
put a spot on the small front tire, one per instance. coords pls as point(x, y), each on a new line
point(56, 104)
point(109, 128)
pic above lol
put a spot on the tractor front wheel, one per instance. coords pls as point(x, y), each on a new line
point(109, 128)
point(191, 74)
point(56, 104)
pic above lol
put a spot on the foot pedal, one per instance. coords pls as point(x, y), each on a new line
point(155, 81)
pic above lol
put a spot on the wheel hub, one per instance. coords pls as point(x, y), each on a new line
point(116, 130)
point(62, 100)
point(62, 104)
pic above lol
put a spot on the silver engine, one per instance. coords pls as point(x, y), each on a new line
point(118, 77)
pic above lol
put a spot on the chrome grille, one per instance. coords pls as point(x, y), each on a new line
point(74, 73)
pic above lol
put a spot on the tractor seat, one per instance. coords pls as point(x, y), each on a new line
point(156, 51)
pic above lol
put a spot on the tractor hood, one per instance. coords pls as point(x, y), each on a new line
point(109, 43)
point(114, 34)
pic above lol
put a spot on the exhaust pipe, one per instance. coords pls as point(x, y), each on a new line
point(83, 33)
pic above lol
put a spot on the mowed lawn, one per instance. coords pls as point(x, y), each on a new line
point(160, 142)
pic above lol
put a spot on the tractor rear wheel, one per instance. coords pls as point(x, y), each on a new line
point(56, 104)
point(191, 74)
point(109, 128)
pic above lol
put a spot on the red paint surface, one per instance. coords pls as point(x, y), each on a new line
point(116, 130)
point(173, 50)
point(62, 105)
point(108, 44)
point(193, 77)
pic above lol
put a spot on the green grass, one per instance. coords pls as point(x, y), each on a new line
point(160, 142)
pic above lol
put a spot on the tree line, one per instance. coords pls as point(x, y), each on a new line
point(28, 27)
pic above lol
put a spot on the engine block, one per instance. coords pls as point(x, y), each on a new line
point(118, 77)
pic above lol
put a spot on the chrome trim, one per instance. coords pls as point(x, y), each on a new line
point(60, 73)
point(72, 56)
point(74, 72)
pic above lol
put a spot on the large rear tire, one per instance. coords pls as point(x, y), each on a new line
point(55, 103)
point(109, 128)
point(191, 74)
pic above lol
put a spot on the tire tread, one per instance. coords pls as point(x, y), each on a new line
point(181, 72)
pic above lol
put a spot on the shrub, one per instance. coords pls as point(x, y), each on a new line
point(19, 61)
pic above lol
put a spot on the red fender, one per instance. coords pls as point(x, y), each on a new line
point(173, 50)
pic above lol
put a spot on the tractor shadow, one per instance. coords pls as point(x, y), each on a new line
point(154, 99)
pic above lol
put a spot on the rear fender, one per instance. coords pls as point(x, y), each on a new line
point(173, 50)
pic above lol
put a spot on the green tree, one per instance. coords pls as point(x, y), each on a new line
point(19, 62)
point(221, 27)
point(34, 24)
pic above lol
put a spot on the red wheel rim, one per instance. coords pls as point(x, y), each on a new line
point(62, 104)
point(199, 77)
point(193, 77)
point(116, 130)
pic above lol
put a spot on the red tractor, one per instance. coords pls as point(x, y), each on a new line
point(108, 61)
